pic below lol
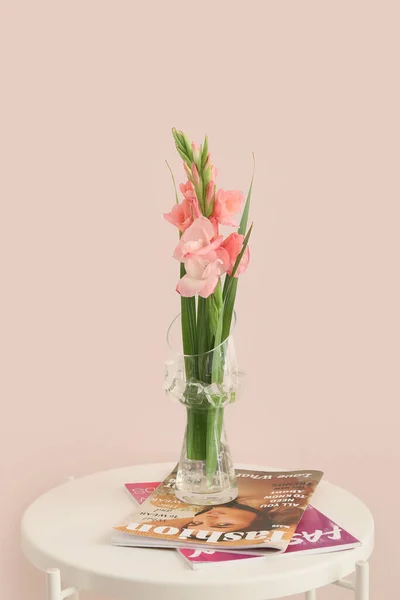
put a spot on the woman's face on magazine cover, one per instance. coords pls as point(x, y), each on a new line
point(222, 519)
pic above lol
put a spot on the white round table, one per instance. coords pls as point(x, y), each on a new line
point(67, 530)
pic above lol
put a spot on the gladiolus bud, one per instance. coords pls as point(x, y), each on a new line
point(195, 175)
point(196, 154)
point(188, 145)
point(209, 172)
point(209, 199)
point(188, 172)
point(204, 154)
point(207, 175)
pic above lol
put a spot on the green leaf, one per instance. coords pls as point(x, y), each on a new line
point(230, 285)
point(229, 304)
point(215, 418)
point(173, 181)
point(217, 358)
point(230, 289)
point(203, 339)
point(245, 215)
point(196, 433)
point(242, 226)
point(215, 306)
point(189, 338)
point(240, 255)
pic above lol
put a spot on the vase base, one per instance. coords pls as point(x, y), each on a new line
point(208, 498)
point(208, 477)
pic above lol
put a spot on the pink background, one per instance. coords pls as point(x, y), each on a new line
point(90, 91)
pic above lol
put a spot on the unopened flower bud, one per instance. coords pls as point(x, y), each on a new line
point(196, 155)
point(209, 194)
point(195, 175)
point(188, 172)
point(209, 199)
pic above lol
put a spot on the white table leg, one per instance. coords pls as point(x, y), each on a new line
point(362, 580)
point(54, 591)
point(53, 584)
point(311, 595)
point(361, 585)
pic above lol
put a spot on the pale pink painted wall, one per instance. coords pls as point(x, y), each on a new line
point(90, 91)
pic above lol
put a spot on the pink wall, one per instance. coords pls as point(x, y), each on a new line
point(90, 92)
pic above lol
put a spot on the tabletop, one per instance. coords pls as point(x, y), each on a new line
point(70, 527)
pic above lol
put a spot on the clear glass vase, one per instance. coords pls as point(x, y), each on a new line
point(205, 384)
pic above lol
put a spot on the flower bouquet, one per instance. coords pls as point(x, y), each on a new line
point(202, 374)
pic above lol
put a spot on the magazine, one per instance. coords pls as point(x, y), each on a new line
point(264, 516)
point(141, 491)
point(315, 533)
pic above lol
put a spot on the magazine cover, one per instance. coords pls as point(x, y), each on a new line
point(315, 533)
point(264, 515)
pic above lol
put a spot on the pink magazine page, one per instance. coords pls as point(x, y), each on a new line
point(315, 533)
point(141, 491)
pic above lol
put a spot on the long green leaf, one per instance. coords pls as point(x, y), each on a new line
point(245, 215)
point(240, 255)
point(203, 338)
point(242, 226)
point(196, 434)
point(173, 181)
point(214, 429)
point(231, 283)
point(189, 339)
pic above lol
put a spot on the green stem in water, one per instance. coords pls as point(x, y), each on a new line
point(215, 420)
point(189, 340)
point(196, 433)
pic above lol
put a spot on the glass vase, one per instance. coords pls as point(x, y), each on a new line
point(205, 384)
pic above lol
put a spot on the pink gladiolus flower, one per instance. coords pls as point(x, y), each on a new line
point(215, 225)
point(187, 190)
point(197, 239)
point(189, 194)
point(202, 273)
point(244, 263)
point(181, 215)
point(201, 278)
point(233, 246)
point(226, 204)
